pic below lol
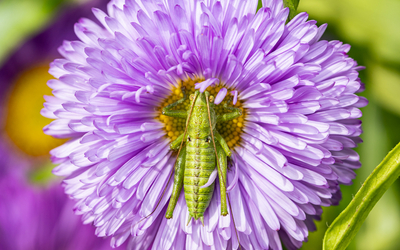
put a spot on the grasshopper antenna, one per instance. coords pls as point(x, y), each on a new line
point(219, 168)
point(172, 170)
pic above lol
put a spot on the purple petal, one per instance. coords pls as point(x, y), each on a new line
point(211, 179)
point(205, 84)
point(221, 95)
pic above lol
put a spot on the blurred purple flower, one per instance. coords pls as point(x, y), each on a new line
point(23, 79)
point(33, 217)
point(42, 47)
point(41, 218)
point(292, 150)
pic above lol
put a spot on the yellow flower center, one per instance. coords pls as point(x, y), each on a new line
point(23, 122)
point(231, 130)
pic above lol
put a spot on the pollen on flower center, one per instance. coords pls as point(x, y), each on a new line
point(231, 131)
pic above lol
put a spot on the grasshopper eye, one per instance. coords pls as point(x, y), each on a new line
point(211, 98)
point(191, 97)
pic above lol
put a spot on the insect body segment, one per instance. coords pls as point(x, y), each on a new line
point(200, 163)
point(197, 159)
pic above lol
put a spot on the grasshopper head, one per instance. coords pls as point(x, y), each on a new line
point(200, 98)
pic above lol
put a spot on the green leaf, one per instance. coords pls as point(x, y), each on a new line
point(346, 225)
point(292, 5)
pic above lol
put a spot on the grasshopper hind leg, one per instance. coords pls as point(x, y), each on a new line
point(177, 143)
point(222, 172)
point(178, 182)
point(222, 143)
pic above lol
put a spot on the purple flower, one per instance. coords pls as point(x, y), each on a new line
point(35, 217)
point(41, 218)
point(291, 148)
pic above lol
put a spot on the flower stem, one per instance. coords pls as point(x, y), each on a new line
point(346, 225)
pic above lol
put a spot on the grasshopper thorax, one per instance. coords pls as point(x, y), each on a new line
point(198, 124)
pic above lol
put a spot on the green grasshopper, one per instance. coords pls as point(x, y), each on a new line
point(198, 158)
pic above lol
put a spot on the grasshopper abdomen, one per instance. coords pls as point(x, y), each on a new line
point(200, 163)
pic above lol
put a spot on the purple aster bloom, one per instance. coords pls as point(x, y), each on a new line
point(291, 148)
point(41, 218)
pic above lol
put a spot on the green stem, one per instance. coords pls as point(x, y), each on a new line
point(346, 225)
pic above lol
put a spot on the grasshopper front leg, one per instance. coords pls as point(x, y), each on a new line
point(176, 113)
point(178, 182)
point(222, 160)
point(236, 112)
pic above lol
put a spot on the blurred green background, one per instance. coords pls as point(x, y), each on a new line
point(373, 30)
point(23, 18)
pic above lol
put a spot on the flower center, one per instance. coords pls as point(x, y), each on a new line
point(231, 130)
point(23, 122)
